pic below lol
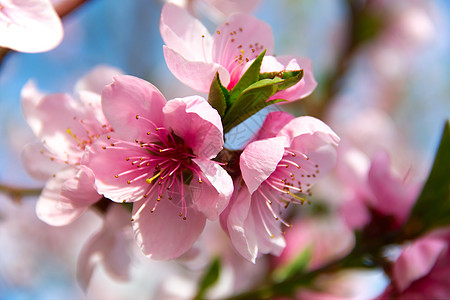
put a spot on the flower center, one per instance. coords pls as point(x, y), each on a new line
point(166, 164)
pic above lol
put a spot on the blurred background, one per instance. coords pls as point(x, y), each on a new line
point(382, 68)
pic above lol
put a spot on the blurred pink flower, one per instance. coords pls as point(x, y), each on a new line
point(422, 270)
point(274, 171)
point(110, 246)
point(65, 126)
point(159, 157)
point(29, 25)
point(327, 239)
point(194, 56)
point(375, 187)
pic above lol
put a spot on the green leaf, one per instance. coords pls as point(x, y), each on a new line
point(250, 76)
point(252, 100)
point(432, 209)
point(209, 279)
point(290, 78)
point(295, 267)
point(218, 95)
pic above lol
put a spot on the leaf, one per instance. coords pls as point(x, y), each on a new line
point(295, 267)
point(218, 95)
point(290, 77)
point(250, 76)
point(209, 279)
point(252, 100)
point(432, 208)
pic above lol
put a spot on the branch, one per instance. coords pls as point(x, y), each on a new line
point(17, 193)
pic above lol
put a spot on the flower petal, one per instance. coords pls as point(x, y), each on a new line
point(107, 161)
point(242, 37)
point(417, 260)
point(195, 74)
point(65, 197)
point(110, 244)
point(213, 195)
point(305, 86)
point(199, 125)
point(309, 126)
point(29, 26)
point(240, 225)
point(393, 196)
point(128, 97)
point(185, 34)
point(36, 161)
point(273, 123)
point(97, 78)
point(55, 119)
point(163, 234)
point(231, 7)
point(259, 160)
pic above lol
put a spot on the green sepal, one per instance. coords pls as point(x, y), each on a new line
point(251, 101)
point(248, 78)
point(432, 209)
point(295, 267)
point(209, 278)
point(218, 95)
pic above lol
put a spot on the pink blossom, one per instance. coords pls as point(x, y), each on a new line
point(327, 239)
point(159, 157)
point(194, 56)
point(275, 172)
point(376, 187)
point(29, 25)
point(65, 126)
point(108, 246)
point(422, 269)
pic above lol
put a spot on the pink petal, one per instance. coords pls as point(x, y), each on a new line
point(305, 86)
point(355, 213)
point(108, 246)
point(36, 161)
point(97, 79)
point(214, 193)
point(417, 260)
point(128, 97)
point(271, 240)
point(29, 26)
point(259, 160)
point(195, 121)
point(51, 117)
point(163, 234)
point(195, 74)
point(273, 123)
point(185, 34)
point(231, 7)
point(243, 37)
point(98, 158)
point(240, 225)
point(327, 238)
point(393, 196)
point(65, 197)
point(309, 126)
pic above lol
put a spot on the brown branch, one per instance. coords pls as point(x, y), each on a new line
point(17, 193)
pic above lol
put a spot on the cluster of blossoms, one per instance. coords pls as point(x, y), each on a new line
point(169, 172)
point(165, 161)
